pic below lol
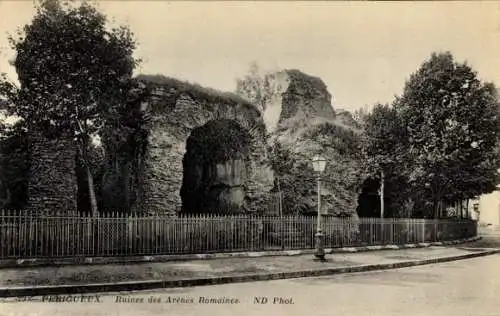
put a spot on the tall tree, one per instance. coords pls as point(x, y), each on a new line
point(282, 163)
point(382, 150)
point(74, 71)
point(452, 124)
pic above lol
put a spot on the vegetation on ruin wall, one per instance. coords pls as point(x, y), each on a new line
point(194, 90)
point(297, 138)
point(125, 141)
point(341, 180)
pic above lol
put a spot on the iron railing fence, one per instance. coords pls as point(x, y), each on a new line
point(115, 234)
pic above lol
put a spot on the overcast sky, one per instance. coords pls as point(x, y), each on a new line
point(363, 51)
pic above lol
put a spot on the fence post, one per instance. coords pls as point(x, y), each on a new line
point(435, 229)
point(392, 231)
point(3, 238)
point(371, 230)
point(423, 230)
point(281, 233)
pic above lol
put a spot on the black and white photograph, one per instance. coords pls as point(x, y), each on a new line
point(249, 158)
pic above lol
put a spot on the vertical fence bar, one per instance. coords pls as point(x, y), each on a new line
point(12, 233)
point(85, 231)
point(156, 228)
point(99, 242)
point(161, 235)
point(436, 230)
point(175, 233)
point(8, 233)
point(75, 235)
point(94, 227)
point(50, 228)
point(372, 238)
point(16, 233)
point(94, 233)
point(171, 234)
point(66, 237)
point(108, 220)
point(55, 237)
point(108, 232)
point(43, 236)
point(423, 223)
point(24, 220)
point(3, 235)
point(30, 234)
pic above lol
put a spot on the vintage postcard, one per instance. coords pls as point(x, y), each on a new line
point(249, 158)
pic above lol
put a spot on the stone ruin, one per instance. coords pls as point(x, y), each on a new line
point(206, 149)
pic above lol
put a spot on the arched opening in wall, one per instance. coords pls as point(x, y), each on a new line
point(369, 199)
point(214, 168)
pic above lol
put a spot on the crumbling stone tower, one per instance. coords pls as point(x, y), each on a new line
point(52, 183)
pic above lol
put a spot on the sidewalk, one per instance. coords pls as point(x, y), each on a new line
point(123, 277)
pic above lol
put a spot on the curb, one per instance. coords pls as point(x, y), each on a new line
point(148, 285)
point(41, 262)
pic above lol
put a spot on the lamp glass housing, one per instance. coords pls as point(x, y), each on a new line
point(319, 163)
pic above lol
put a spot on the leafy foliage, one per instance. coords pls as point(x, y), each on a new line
point(71, 68)
point(124, 140)
point(75, 74)
point(383, 139)
point(341, 179)
point(438, 142)
point(453, 125)
point(293, 178)
point(14, 166)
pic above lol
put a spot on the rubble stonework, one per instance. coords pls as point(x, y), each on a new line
point(307, 124)
point(52, 184)
point(173, 113)
point(301, 118)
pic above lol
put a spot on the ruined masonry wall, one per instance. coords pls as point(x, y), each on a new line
point(173, 116)
point(52, 186)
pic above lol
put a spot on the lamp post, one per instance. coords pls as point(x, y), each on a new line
point(319, 164)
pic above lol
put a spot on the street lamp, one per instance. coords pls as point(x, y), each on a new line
point(319, 164)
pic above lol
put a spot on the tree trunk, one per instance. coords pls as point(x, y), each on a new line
point(90, 180)
point(435, 207)
point(382, 180)
point(280, 205)
point(467, 208)
point(437, 196)
point(280, 198)
point(93, 200)
point(382, 229)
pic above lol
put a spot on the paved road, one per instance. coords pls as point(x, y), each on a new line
point(466, 287)
point(490, 237)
